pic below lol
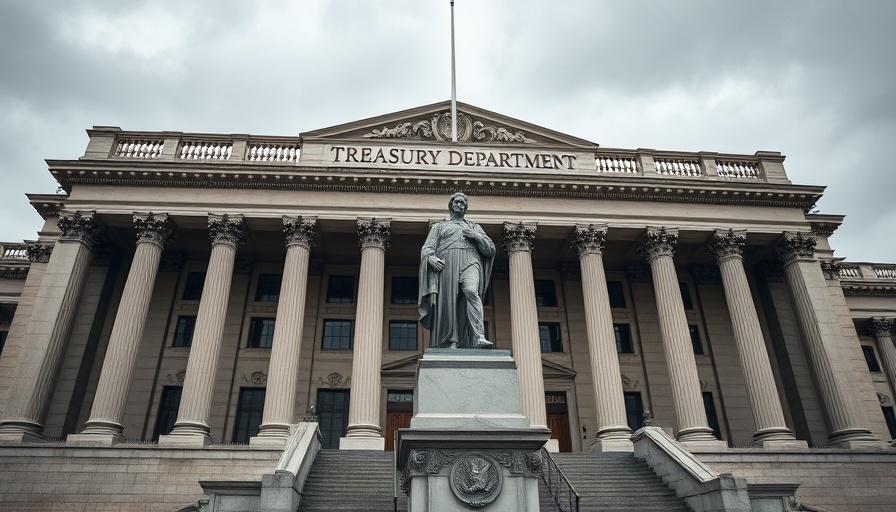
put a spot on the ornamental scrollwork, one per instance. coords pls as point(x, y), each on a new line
point(438, 127)
point(589, 239)
point(39, 253)
point(300, 231)
point(830, 269)
point(154, 228)
point(79, 227)
point(795, 246)
point(374, 232)
point(658, 242)
point(226, 229)
point(727, 244)
point(424, 462)
point(518, 237)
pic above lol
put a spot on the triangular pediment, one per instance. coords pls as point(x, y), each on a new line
point(552, 370)
point(432, 124)
point(401, 367)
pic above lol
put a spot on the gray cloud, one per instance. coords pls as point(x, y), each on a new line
point(812, 79)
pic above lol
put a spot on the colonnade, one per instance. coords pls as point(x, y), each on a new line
point(24, 416)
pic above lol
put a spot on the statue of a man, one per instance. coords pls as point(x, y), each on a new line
point(455, 268)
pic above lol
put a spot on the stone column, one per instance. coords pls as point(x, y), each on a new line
point(364, 431)
point(283, 372)
point(613, 433)
point(822, 335)
point(191, 427)
point(726, 248)
point(881, 329)
point(104, 426)
point(518, 239)
point(658, 247)
point(49, 329)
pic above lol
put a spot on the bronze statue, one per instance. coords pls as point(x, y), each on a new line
point(455, 268)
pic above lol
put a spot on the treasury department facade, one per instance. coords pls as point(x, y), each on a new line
point(195, 297)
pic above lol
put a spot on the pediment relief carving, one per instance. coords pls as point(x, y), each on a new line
point(438, 127)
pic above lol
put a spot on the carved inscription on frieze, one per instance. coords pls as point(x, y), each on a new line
point(484, 158)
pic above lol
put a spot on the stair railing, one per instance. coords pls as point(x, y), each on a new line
point(564, 494)
point(395, 471)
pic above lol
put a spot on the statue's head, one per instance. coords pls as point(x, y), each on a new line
point(455, 202)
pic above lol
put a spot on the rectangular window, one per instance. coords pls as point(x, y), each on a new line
point(623, 334)
point(332, 407)
point(183, 333)
point(549, 337)
point(338, 334)
point(545, 293)
point(340, 289)
point(248, 414)
point(268, 289)
point(891, 420)
point(871, 359)
point(634, 409)
point(686, 296)
point(711, 416)
point(402, 335)
point(617, 297)
point(193, 286)
point(167, 415)
point(404, 289)
point(261, 333)
point(695, 340)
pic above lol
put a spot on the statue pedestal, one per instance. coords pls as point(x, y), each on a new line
point(469, 445)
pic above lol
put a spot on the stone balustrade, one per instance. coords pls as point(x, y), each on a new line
point(13, 252)
point(862, 271)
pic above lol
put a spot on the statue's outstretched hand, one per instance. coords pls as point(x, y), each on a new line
point(436, 263)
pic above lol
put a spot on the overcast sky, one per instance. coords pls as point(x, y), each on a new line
point(813, 79)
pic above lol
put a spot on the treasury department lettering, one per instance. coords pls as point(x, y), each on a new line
point(404, 156)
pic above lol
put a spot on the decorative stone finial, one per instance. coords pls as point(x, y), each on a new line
point(300, 231)
point(589, 239)
point(648, 420)
point(658, 242)
point(518, 237)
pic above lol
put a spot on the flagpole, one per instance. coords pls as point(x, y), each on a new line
point(453, 83)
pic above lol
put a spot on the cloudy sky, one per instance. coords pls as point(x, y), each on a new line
point(813, 79)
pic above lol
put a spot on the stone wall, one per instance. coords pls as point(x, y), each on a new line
point(830, 480)
point(134, 478)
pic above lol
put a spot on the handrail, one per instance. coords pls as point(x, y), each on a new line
point(554, 480)
point(395, 471)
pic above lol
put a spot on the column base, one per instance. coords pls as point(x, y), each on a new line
point(701, 434)
point(271, 435)
point(185, 441)
point(88, 439)
point(362, 443)
point(856, 439)
point(19, 432)
point(705, 446)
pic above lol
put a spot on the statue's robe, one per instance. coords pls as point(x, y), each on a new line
point(442, 305)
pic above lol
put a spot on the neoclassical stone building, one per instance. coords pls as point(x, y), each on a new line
point(193, 290)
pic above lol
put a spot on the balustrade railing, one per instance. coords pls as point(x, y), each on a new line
point(205, 150)
point(14, 252)
point(739, 170)
point(677, 167)
point(887, 272)
point(617, 164)
point(563, 493)
point(850, 271)
point(139, 148)
point(272, 152)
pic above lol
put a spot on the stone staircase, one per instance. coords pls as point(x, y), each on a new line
point(613, 482)
point(355, 480)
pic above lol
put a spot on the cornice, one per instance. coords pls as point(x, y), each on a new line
point(217, 175)
point(864, 288)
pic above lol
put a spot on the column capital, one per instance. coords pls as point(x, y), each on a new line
point(796, 246)
point(300, 231)
point(880, 326)
point(830, 269)
point(78, 226)
point(658, 242)
point(518, 237)
point(226, 229)
point(373, 232)
point(152, 228)
point(727, 243)
point(589, 239)
point(39, 252)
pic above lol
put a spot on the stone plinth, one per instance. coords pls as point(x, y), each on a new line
point(469, 443)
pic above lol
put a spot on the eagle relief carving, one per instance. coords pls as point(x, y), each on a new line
point(439, 128)
point(476, 479)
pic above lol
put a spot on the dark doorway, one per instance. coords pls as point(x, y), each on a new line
point(332, 406)
point(399, 410)
point(558, 418)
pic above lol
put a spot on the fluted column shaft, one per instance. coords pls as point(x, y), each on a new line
point(881, 329)
point(518, 240)
point(127, 331)
point(49, 329)
point(227, 232)
point(605, 374)
point(364, 406)
point(283, 372)
point(726, 248)
point(658, 247)
point(822, 333)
